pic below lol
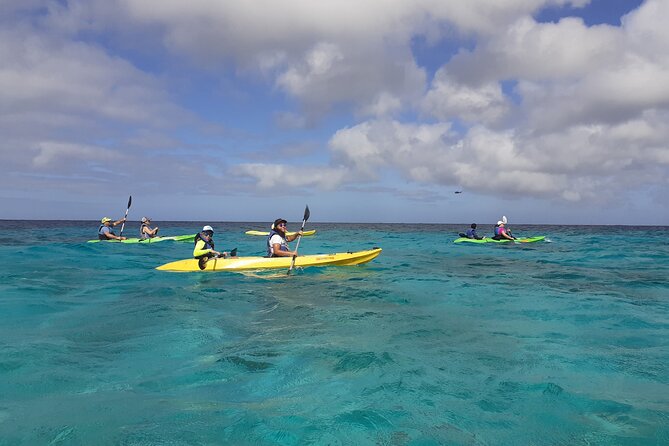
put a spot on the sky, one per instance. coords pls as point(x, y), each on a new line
point(545, 111)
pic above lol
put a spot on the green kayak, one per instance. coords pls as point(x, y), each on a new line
point(175, 238)
point(537, 238)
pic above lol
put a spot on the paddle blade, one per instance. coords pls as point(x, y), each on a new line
point(233, 253)
point(202, 263)
point(306, 213)
point(129, 201)
point(504, 219)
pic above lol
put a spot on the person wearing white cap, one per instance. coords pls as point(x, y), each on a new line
point(500, 231)
point(145, 231)
point(105, 231)
point(204, 245)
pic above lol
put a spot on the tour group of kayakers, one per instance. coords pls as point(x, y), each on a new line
point(500, 232)
point(277, 240)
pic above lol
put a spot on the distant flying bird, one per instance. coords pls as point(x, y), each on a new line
point(458, 191)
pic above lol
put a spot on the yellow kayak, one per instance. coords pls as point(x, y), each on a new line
point(255, 263)
point(305, 233)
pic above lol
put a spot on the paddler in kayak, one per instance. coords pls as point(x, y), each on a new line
point(471, 233)
point(277, 240)
point(145, 231)
point(204, 245)
point(500, 232)
point(105, 231)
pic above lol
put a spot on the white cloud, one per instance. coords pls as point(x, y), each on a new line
point(321, 62)
point(448, 99)
point(587, 117)
point(539, 51)
point(569, 73)
point(269, 176)
point(51, 154)
point(39, 74)
point(69, 110)
point(378, 144)
point(322, 53)
point(385, 104)
point(579, 164)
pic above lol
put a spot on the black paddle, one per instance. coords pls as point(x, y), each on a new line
point(299, 237)
point(202, 262)
point(126, 214)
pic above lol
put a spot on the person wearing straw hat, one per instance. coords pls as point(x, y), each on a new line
point(106, 231)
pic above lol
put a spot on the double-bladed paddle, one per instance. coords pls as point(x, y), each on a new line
point(299, 237)
point(126, 214)
point(202, 262)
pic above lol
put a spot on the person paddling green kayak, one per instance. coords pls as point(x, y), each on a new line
point(106, 231)
point(471, 233)
point(501, 232)
point(145, 229)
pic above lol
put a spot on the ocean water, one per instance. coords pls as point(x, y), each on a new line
point(563, 342)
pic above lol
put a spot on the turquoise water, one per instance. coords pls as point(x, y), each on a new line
point(553, 343)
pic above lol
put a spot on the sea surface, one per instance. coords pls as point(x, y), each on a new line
point(562, 342)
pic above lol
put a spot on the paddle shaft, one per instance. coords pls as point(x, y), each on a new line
point(202, 263)
point(297, 245)
point(126, 215)
point(299, 237)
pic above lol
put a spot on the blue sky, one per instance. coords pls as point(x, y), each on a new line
point(547, 111)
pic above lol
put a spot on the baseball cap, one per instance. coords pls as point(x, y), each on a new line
point(277, 222)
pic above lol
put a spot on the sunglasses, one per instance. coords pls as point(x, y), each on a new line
point(282, 224)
